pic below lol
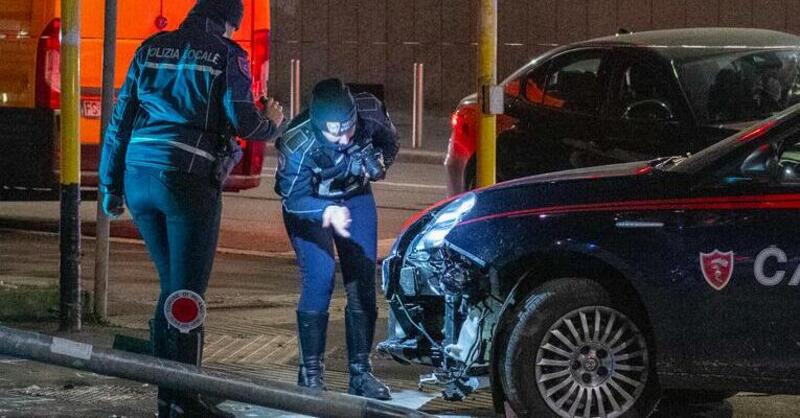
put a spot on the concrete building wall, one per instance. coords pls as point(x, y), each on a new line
point(378, 41)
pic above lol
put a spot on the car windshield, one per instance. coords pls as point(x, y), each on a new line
point(737, 85)
point(698, 161)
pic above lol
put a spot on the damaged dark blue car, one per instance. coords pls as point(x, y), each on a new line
point(591, 292)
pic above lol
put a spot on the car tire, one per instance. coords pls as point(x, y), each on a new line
point(609, 360)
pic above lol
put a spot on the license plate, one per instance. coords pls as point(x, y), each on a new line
point(90, 108)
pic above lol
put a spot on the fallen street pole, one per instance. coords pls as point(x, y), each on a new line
point(192, 379)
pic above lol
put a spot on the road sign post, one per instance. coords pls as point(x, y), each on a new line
point(70, 223)
point(102, 230)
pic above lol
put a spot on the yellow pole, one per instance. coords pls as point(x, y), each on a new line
point(487, 76)
point(70, 307)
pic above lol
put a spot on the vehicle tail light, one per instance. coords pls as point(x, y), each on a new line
point(254, 151)
point(253, 158)
point(48, 72)
point(462, 131)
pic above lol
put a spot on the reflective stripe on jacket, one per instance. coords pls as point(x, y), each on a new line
point(186, 92)
point(314, 173)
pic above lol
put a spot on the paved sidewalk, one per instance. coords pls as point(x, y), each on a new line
point(250, 332)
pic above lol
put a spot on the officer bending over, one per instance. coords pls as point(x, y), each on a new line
point(328, 158)
point(167, 150)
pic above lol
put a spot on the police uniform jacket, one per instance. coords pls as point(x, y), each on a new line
point(185, 93)
point(313, 173)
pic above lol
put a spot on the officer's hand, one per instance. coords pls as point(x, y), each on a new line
point(375, 167)
point(273, 111)
point(337, 217)
point(356, 167)
point(113, 205)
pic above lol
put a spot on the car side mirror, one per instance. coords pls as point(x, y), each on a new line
point(761, 164)
point(649, 110)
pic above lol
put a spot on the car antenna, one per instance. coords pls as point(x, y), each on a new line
point(623, 31)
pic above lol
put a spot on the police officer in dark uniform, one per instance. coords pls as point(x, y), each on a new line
point(328, 158)
point(167, 150)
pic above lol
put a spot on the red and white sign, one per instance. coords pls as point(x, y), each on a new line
point(717, 268)
point(90, 108)
point(185, 310)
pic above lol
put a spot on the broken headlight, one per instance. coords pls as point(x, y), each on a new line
point(434, 233)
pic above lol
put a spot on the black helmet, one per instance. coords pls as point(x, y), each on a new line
point(333, 108)
point(230, 11)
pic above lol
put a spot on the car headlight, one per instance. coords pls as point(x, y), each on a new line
point(434, 233)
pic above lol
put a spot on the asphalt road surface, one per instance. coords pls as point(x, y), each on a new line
point(251, 219)
point(251, 308)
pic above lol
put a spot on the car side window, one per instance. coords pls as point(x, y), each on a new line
point(533, 85)
point(641, 95)
point(573, 82)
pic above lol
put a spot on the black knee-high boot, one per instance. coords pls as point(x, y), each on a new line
point(163, 347)
point(312, 328)
point(360, 329)
point(190, 351)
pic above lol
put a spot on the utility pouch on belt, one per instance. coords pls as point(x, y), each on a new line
point(229, 154)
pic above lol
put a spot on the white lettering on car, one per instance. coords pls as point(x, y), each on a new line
point(795, 277)
point(776, 278)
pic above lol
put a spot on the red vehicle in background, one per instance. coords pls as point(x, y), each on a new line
point(30, 47)
point(460, 158)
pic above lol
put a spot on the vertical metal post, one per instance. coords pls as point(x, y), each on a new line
point(294, 88)
point(418, 105)
point(103, 224)
point(487, 77)
point(70, 233)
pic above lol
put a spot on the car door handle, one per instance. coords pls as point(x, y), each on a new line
point(646, 221)
point(636, 224)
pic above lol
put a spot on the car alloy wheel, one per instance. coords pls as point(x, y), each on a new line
point(592, 362)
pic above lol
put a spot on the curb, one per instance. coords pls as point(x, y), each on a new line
point(125, 232)
point(405, 155)
point(122, 232)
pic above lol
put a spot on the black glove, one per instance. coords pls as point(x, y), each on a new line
point(113, 205)
point(368, 163)
point(356, 167)
point(374, 167)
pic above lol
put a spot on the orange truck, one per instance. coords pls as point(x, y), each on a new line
point(30, 77)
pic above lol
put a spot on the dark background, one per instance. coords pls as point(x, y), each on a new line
point(377, 41)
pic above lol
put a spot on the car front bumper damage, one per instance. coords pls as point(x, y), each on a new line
point(444, 307)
